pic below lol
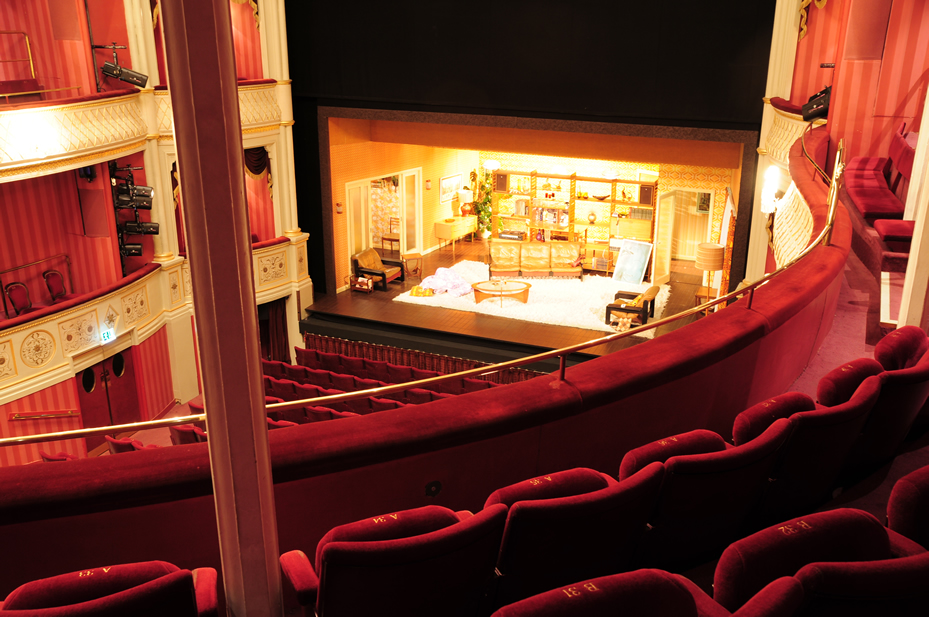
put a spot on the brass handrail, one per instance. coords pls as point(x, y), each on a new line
point(100, 430)
point(562, 353)
point(28, 50)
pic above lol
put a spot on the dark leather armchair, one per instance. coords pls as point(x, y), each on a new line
point(369, 264)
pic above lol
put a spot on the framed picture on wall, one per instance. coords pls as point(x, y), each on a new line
point(703, 203)
point(448, 187)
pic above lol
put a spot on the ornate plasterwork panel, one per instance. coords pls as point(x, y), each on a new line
point(79, 333)
point(272, 268)
point(257, 107)
point(135, 306)
point(301, 259)
point(174, 282)
point(111, 318)
point(7, 360)
point(39, 134)
point(37, 349)
point(188, 289)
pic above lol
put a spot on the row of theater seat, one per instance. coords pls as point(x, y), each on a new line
point(288, 390)
point(18, 293)
point(363, 368)
point(677, 501)
point(873, 183)
point(530, 551)
point(432, 561)
point(839, 562)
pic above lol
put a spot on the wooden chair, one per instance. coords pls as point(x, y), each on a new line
point(393, 236)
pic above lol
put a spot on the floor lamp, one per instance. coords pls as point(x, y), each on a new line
point(709, 259)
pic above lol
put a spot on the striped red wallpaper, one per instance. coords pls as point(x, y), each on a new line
point(260, 207)
point(247, 41)
point(60, 397)
point(900, 91)
point(44, 219)
point(60, 56)
point(153, 375)
point(820, 45)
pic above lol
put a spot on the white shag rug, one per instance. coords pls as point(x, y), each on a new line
point(559, 302)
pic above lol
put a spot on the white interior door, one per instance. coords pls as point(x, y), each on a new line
point(357, 198)
point(664, 226)
point(411, 234)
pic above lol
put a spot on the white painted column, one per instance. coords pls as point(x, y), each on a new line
point(780, 76)
point(916, 284)
point(141, 39)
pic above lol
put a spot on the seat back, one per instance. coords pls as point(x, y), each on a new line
point(18, 294)
point(903, 394)
point(706, 500)
point(908, 506)
point(184, 433)
point(590, 527)
point(119, 445)
point(504, 256)
point(56, 458)
point(369, 258)
point(902, 348)
point(819, 446)
point(535, 258)
point(388, 566)
point(564, 254)
point(643, 592)
point(860, 589)
point(55, 283)
point(749, 564)
point(147, 588)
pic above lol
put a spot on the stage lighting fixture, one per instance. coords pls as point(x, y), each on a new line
point(131, 250)
point(134, 228)
point(123, 74)
point(138, 197)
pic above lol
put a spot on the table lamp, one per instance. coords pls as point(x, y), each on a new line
point(710, 259)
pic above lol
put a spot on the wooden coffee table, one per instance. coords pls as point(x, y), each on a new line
point(500, 289)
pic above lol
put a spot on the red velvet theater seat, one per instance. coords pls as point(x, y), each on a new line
point(819, 445)
point(186, 433)
point(908, 506)
point(56, 286)
point(640, 593)
point(145, 589)
point(845, 562)
point(708, 498)
point(570, 526)
point(18, 295)
point(903, 394)
point(424, 562)
point(118, 446)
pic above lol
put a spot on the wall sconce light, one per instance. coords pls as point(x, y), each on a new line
point(771, 190)
point(428, 185)
point(338, 208)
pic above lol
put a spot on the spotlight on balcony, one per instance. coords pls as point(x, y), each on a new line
point(123, 74)
point(131, 196)
point(131, 250)
point(134, 228)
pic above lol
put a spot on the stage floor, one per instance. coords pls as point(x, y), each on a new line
point(375, 318)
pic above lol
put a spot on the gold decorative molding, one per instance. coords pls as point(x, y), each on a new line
point(162, 257)
point(761, 150)
point(288, 123)
point(79, 333)
point(293, 233)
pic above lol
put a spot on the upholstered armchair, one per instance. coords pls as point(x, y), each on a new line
point(369, 264)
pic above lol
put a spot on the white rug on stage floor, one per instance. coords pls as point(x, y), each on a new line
point(559, 302)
